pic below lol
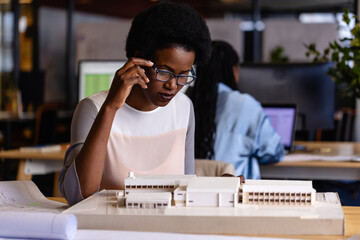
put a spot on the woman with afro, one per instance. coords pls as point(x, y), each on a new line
point(142, 123)
point(231, 126)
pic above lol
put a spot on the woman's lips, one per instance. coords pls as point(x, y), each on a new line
point(165, 97)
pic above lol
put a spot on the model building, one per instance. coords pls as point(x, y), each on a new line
point(152, 191)
point(278, 192)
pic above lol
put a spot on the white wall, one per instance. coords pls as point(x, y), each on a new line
point(102, 40)
point(292, 35)
point(106, 40)
point(227, 30)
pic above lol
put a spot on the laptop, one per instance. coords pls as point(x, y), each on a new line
point(282, 118)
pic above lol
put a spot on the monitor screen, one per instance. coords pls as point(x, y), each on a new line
point(305, 85)
point(282, 118)
point(96, 75)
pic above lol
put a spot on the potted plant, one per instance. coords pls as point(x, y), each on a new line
point(277, 55)
point(346, 64)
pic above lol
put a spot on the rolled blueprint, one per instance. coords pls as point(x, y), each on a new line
point(37, 225)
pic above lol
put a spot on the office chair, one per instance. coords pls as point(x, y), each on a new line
point(345, 125)
point(46, 132)
point(46, 123)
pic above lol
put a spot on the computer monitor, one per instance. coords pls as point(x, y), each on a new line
point(282, 117)
point(306, 85)
point(96, 75)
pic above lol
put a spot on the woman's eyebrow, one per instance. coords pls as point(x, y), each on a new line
point(171, 69)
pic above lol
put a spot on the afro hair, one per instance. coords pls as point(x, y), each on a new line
point(165, 25)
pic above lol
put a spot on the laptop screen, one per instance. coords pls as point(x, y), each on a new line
point(282, 118)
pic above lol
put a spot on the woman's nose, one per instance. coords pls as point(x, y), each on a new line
point(171, 84)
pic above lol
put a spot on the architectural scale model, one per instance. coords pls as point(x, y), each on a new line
point(191, 191)
point(212, 205)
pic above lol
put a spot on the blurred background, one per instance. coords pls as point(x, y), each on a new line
point(48, 49)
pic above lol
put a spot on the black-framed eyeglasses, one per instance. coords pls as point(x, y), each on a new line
point(182, 79)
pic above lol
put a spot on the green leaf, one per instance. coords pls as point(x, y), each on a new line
point(346, 18)
point(335, 56)
point(356, 70)
point(345, 39)
point(326, 51)
point(356, 33)
point(337, 45)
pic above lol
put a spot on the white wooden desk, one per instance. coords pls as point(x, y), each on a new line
point(318, 169)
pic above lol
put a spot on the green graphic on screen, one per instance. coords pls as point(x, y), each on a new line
point(97, 82)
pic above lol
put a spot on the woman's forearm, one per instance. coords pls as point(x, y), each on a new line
point(90, 160)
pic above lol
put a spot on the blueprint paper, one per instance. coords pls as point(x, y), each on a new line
point(25, 196)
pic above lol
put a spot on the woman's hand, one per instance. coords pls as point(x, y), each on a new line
point(124, 80)
point(242, 178)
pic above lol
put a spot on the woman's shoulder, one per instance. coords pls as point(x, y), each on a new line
point(92, 103)
point(98, 98)
point(239, 99)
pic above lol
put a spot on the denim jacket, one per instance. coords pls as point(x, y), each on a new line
point(244, 135)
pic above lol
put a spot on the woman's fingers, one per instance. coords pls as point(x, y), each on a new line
point(134, 75)
point(137, 80)
point(135, 62)
point(141, 73)
point(242, 178)
point(125, 78)
point(132, 70)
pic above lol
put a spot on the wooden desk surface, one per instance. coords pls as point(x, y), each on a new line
point(330, 148)
point(318, 169)
point(352, 220)
point(11, 116)
point(327, 149)
point(51, 155)
point(352, 226)
point(352, 223)
point(320, 163)
point(46, 156)
point(58, 199)
point(326, 170)
point(323, 148)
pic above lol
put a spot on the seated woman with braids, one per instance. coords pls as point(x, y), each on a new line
point(231, 126)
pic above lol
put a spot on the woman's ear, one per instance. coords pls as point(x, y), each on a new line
point(236, 72)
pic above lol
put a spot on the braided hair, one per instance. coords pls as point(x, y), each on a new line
point(205, 92)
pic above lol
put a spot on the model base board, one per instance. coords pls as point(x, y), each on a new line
point(325, 217)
